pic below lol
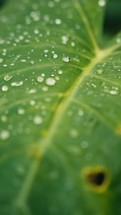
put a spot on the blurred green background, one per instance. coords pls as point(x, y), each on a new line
point(112, 23)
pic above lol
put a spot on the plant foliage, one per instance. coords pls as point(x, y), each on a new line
point(60, 109)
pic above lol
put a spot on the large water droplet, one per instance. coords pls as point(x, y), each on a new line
point(4, 135)
point(50, 81)
point(113, 92)
point(37, 120)
point(102, 3)
point(17, 84)
point(4, 88)
point(7, 77)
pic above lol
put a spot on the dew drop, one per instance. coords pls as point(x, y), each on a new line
point(40, 79)
point(1, 60)
point(43, 74)
point(4, 135)
point(23, 60)
point(17, 84)
point(5, 65)
point(21, 111)
point(113, 92)
point(4, 88)
point(32, 62)
point(99, 71)
point(60, 72)
point(102, 3)
point(36, 31)
point(118, 40)
point(50, 81)
point(4, 118)
point(37, 120)
point(72, 44)
point(55, 56)
point(64, 39)
point(80, 113)
point(7, 77)
point(66, 59)
point(32, 102)
point(32, 91)
point(58, 21)
point(73, 133)
point(45, 88)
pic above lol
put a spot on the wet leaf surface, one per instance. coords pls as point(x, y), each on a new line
point(60, 109)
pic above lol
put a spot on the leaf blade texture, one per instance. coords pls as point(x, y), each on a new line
point(60, 102)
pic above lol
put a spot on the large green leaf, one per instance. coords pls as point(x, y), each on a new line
point(60, 106)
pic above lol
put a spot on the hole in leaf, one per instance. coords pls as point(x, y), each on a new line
point(96, 178)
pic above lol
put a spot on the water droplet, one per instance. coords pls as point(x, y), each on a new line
point(17, 84)
point(45, 88)
point(43, 74)
point(36, 31)
point(21, 111)
point(66, 59)
point(32, 102)
point(4, 88)
point(7, 77)
point(99, 71)
point(32, 91)
point(102, 3)
point(37, 120)
point(74, 133)
point(4, 118)
point(32, 62)
point(118, 40)
point(58, 21)
point(23, 60)
point(80, 113)
point(40, 79)
point(4, 135)
point(113, 92)
point(72, 44)
point(55, 55)
point(60, 72)
point(1, 60)
point(5, 65)
point(64, 39)
point(50, 81)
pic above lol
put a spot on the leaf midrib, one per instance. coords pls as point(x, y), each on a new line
point(61, 109)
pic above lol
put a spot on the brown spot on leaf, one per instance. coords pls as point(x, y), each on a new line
point(96, 178)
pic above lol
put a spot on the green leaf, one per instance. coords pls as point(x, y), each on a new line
point(60, 116)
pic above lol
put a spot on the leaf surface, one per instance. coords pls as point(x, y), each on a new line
point(60, 102)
